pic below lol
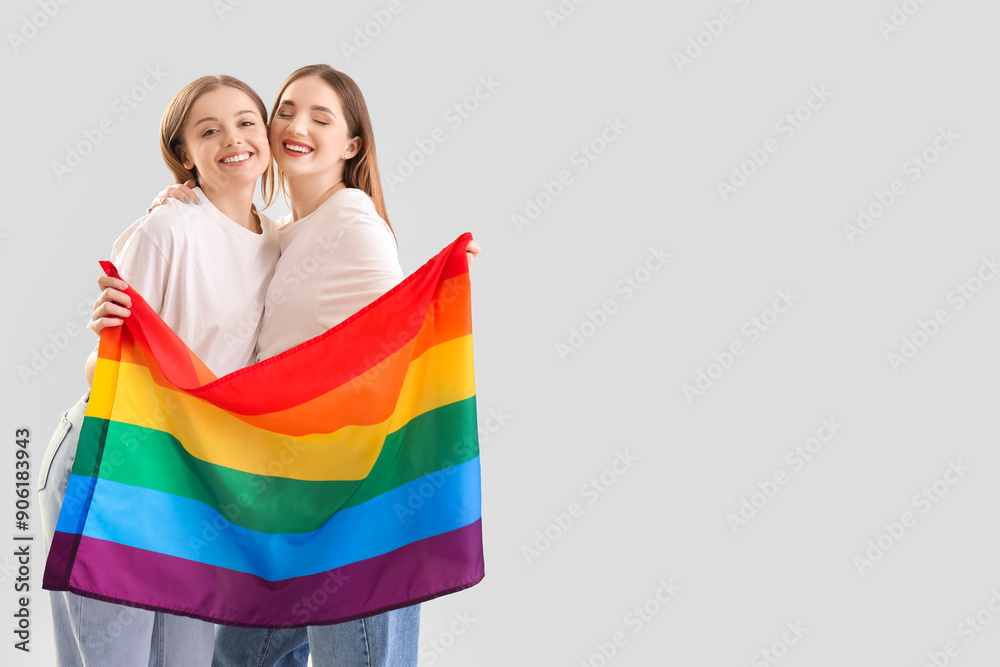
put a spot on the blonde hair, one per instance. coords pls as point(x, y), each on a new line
point(176, 116)
point(361, 170)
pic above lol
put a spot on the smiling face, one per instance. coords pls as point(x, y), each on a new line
point(309, 134)
point(225, 139)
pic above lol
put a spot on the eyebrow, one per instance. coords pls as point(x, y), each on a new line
point(315, 107)
point(216, 120)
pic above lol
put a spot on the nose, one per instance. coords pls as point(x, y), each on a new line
point(297, 125)
point(231, 138)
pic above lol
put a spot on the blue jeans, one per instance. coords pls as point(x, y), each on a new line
point(383, 640)
point(93, 632)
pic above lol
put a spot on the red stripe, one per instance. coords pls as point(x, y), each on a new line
point(152, 333)
point(344, 352)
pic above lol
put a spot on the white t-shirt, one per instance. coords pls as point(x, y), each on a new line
point(204, 274)
point(334, 262)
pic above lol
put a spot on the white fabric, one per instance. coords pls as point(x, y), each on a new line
point(204, 274)
point(334, 262)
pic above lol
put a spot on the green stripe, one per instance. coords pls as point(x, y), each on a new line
point(92, 433)
point(435, 440)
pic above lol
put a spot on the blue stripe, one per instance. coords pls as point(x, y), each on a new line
point(146, 519)
point(74, 503)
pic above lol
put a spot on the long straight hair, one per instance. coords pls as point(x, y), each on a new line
point(360, 171)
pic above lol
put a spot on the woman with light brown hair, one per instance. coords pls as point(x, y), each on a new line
point(204, 270)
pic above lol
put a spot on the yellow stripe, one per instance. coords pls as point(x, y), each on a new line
point(433, 380)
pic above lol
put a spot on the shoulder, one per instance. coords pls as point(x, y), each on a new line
point(358, 210)
point(356, 199)
point(348, 214)
point(352, 203)
point(164, 229)
point(170, 219)
point(149, 228)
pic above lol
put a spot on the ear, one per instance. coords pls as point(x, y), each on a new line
point(185, 159)
point(353, 146)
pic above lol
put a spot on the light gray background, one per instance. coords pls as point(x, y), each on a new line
point(566, 417)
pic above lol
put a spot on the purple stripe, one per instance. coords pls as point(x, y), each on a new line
point(419, 571)
point(57, 565)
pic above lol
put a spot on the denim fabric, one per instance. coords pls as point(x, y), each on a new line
point(256, 647)
point(383, 640)
point(92, 632)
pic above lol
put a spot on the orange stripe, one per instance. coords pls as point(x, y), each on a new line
point(442, 376)
point(370, 396)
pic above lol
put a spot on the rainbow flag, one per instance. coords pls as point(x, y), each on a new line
point(337, 480)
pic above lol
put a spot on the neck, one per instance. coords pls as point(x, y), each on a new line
point(307, 193)
point(235, 202)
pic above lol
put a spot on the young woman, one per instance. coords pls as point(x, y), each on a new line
point(338, 254)
point(205, 270)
